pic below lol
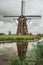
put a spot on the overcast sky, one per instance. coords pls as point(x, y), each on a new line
point(13, 7)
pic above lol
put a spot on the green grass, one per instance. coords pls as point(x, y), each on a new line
point(16, 38)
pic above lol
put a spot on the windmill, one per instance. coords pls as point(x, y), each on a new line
point(22, 30)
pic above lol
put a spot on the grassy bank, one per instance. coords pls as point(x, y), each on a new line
point(18, 38)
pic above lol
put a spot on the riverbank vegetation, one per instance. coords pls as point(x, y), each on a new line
point(18, 38)
point(33, 57)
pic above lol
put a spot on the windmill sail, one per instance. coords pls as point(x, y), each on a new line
point(22, 8)
point(22, 13)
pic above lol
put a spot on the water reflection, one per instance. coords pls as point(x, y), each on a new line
point(8, 50)
point(10, 45)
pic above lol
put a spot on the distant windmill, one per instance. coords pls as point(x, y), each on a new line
point(22, 30)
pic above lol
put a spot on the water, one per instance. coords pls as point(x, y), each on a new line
point(7, 51)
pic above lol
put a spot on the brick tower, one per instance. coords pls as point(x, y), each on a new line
point(22, 30)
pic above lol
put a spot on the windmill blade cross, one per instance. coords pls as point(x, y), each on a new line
point(25, 16)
